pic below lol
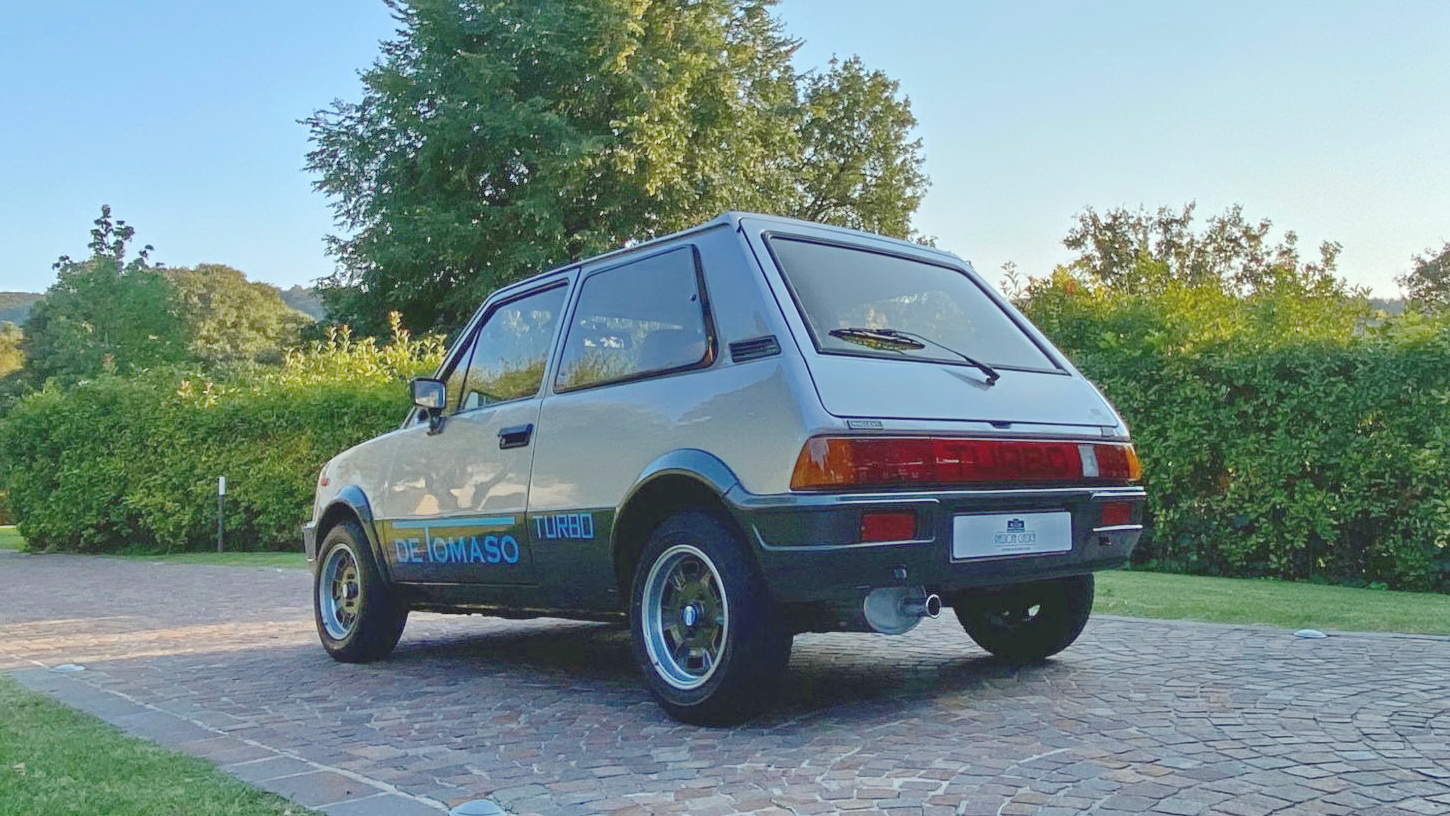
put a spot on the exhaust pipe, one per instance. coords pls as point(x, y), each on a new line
point(927, 607)
point(897, 610)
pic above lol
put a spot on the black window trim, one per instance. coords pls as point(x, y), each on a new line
point(707, 313)
point(768, 238)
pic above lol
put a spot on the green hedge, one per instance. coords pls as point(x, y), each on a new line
point(1288, 433)
point(121, 465)
point(118, 464)
point(1310, 462)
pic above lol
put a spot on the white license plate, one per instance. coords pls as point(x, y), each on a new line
point(993, 535)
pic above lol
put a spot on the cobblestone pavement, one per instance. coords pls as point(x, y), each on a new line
point(547, 717)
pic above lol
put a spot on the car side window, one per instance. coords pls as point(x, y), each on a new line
point(453, 383)
point(510, 351)
point(644, 317)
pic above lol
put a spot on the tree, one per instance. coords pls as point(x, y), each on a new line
point(1427, 284)
point(497, 139)
point(1137, 250)
point(1153, 282)
point(859, 166)
point(105, 313)
point(231, 319)
point(11, 357)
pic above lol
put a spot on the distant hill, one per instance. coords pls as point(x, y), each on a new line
point(1391, 306)
point(305, 300)
point(15, 306)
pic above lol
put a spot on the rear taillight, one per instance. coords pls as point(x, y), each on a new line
point(886, 461)
point(891, 525)
point(1117, 514)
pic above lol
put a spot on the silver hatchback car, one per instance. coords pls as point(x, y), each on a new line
point(726, 436)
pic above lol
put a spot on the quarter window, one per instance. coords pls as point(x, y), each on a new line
point(645, 317)
point(510, 350)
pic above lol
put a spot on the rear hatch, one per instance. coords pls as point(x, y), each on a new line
point(903, 333)
point(857, 387)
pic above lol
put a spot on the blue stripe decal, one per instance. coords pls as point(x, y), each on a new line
point(449, 523)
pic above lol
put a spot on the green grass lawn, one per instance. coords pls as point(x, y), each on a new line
point(55, 761)
point(1275, 603)
point(10, 539)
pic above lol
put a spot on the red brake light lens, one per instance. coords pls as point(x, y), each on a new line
point(885, 461)
point(898, 525)
point(1116, 514)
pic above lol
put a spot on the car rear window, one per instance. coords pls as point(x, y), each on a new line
point(839, 287)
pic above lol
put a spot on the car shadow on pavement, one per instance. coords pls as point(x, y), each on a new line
point(828, 673)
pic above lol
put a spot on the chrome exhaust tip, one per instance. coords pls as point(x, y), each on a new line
point(928, 606)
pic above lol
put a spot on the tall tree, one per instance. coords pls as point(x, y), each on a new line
point(105, 313)
point(1135, 250)
point(1427, 284)
point(859, 166)
point(496, 139)
point(230, 318)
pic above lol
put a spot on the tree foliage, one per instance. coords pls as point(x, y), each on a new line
point(116, 313)
point(1150, 282)
point(859, 166)
point(105, 313)
point(497, 139)
point(11, 357)
point(1427, 284)
point(231, 319)
point(1137, 251)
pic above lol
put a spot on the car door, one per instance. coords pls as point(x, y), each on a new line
point(457, 492)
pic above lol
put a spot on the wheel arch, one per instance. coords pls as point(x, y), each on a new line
point(678, 480)
point(351, 503)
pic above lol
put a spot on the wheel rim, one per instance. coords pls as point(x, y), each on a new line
point(686, 617)
point(339, 592)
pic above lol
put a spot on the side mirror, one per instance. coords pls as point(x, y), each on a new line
point(430, 395)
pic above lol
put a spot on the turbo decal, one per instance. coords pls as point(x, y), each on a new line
point(576, 526)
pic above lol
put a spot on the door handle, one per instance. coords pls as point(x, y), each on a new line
point(515, 437)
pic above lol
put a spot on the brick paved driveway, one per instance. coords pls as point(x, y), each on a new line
point(547, 716)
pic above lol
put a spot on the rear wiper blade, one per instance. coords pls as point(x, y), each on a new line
point(898, 340)
point(883, 339)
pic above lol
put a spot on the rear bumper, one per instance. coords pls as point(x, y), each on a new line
point(808, 549)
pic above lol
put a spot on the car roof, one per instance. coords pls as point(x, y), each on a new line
point(733, 219)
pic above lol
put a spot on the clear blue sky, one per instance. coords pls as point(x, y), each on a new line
point(1329, 117)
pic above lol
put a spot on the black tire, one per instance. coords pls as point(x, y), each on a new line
point(709, 657)
point(359, 617)
point(1027, 623)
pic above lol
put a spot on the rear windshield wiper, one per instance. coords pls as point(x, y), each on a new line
point(897, 340)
